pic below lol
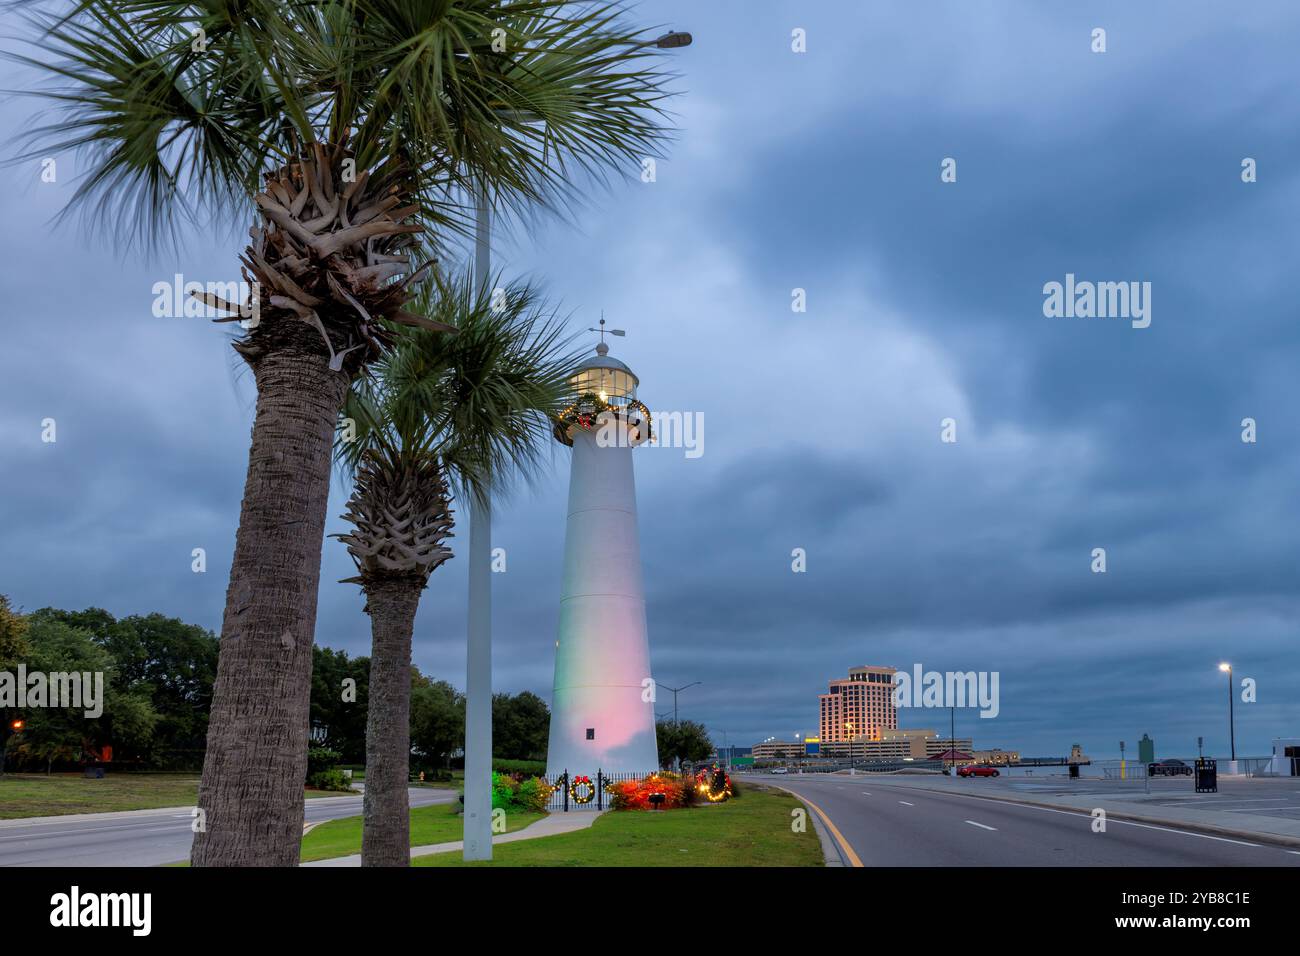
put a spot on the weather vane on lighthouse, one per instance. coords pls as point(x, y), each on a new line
point(602, 348)
point(602, 705)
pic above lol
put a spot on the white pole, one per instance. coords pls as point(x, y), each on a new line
point(478, 664)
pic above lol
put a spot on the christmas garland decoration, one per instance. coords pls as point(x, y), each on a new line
point(707, 785)
point(586, 412)
point(586, 794)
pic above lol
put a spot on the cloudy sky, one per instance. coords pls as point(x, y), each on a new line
point(822, 429)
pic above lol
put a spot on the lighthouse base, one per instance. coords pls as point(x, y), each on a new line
point(606, 729)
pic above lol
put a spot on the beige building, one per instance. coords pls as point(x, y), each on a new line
point(864, 749)
point(996, 757)
point(859, 706)
point(924, 742)
point(896, 744)
point(773, 749)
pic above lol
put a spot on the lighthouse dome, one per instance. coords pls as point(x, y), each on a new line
point(607, 378)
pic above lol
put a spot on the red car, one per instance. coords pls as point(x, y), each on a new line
point(973, 771)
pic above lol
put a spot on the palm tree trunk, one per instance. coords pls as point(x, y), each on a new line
point(386, 832)
point(251, 794)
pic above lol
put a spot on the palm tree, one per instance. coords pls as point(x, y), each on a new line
point(345, 128)
point(470, 411)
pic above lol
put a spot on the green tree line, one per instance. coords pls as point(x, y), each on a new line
point(158, 678)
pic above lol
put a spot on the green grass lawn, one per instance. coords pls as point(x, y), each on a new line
point(753, 830)
point(435, 824)
point(36, 795)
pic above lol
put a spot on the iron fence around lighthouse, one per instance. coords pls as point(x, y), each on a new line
point(575, 791)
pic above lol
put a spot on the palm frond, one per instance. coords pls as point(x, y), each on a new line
point(481, 401)
point(527, 98)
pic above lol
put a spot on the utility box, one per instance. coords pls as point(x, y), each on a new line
point(1207, 775)
point(1146, 750)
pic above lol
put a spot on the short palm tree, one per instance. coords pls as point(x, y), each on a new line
point(345, 128)
point(467, 411)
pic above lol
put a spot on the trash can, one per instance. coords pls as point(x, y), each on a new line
point(1207, 775)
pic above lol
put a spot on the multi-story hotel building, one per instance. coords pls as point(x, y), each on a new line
point(859, 706)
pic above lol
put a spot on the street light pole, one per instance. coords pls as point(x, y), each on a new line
point(1232, 728)
point(478, 666)
point(952, 736)
point(675, 691)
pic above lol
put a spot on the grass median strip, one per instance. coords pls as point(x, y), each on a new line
point(37, 795)
point(438, 823)
point(25, 795)
point(753, 830)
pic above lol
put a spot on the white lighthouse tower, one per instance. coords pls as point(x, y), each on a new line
point(602, 705)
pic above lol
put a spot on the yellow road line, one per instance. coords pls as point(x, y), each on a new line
point(844, 844)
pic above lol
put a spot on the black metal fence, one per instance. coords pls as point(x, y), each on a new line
point(582, 792)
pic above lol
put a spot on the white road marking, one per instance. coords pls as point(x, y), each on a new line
point(1289, 806)
point(1085, 814)
point(906, 804)
point(980, 825)
point(865, 793)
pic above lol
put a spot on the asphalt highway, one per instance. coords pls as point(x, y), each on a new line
point(143, 837)
point(897, 825)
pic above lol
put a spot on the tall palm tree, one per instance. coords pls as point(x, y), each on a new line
point(345, 128)
point(464, 411)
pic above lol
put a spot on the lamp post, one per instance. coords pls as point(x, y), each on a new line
point(1232, 730)
point(676, 691)
point(478, 651)
point(952, 735)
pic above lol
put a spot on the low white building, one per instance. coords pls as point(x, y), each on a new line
point(1286, 757)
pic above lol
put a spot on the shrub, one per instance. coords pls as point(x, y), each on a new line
point(528, 768)
point(533, 794)
point(322, 758)
point(331, 779)
point(503, 791)
point(635, 794)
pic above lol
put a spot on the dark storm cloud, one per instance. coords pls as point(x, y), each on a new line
point(818, 171)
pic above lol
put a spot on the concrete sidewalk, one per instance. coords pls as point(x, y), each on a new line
point(1136, 807)
point(552, 824)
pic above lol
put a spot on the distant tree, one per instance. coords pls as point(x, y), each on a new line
point(521, 726)
point(127, 721)
point(682, 741)
point(13, 649)
point(170, 663)
point(13, 640)
point(437, 719)
point(338, 717)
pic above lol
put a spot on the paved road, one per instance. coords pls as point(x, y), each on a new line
point(896, 825)
point(144, 837)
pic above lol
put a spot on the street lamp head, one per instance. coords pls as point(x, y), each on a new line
point(673, 39)
point(1225, 667)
